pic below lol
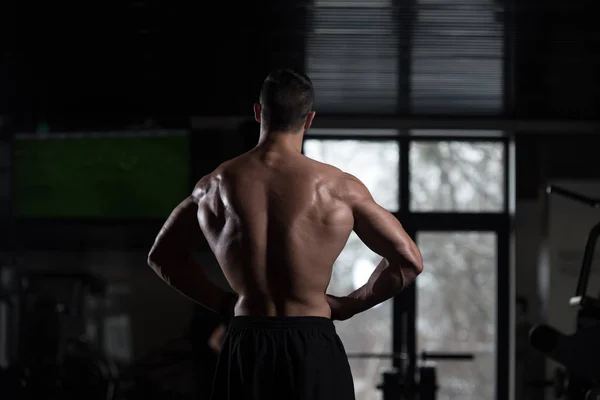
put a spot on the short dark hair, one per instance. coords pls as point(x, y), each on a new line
point(286, 98)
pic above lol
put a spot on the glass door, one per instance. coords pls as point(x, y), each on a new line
point(458, 212)
point(456, 310)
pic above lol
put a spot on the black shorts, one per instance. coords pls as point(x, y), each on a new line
point(284, 358)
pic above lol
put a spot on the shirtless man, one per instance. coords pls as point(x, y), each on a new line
point(276, 222)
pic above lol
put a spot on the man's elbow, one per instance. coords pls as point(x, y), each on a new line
point(410, 261)
point(150, 260)
point(154, 258)
point(161, 255)
point(417, 260)
point(156, 261)
point(418, 265)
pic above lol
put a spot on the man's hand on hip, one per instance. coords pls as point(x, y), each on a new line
point(343, 308)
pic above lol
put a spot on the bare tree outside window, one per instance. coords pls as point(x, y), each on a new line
point(456, 310)
point(457, 176)
point(376, 164)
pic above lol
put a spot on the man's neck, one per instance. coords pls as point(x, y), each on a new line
point(291, 141)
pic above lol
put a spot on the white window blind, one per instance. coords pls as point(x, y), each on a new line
point(352, 56)
point(452, 59)
point(457, 58)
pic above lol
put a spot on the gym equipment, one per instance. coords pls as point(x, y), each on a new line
point(9, 313)
point(423, 385)
point(52, 358)
point(163, 374)
point(579, 353)
point(9, 334)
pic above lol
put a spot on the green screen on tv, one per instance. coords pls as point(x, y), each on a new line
point(97, 176)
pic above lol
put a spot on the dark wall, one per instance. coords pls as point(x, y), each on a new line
point(118, 59)
point(557, 65)
point(540, 159)
point(6, 232)
point(211, 147)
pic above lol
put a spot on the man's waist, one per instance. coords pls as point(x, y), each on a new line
point(319, 323)
point(259, 306)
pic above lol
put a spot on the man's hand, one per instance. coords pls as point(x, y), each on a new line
point(215, 342)
point(343, 308)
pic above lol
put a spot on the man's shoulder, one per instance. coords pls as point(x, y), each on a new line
point(348, 188)
point(342, 185)
point(212, 181)
point(328, 171)
point(207, 184)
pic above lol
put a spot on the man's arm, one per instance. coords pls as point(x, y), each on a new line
point(171, 258)
point(383, 234)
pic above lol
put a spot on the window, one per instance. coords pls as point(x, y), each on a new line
point(457, 176)
point(376, 164)
point(456, 309)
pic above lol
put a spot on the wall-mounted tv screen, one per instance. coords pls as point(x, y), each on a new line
point(104, 175)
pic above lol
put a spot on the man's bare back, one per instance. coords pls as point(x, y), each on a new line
point(276, 222)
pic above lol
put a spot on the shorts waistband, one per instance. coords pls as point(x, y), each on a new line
point(256, 322)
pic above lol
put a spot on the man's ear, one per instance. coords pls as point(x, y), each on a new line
point(257, 111)
point(309, 120)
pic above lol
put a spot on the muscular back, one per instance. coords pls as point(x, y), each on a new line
point(276, 223)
